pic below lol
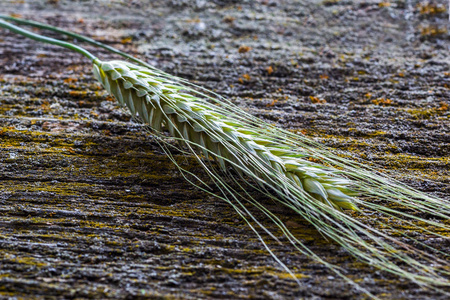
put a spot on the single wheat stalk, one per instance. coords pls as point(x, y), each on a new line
point(278, 163)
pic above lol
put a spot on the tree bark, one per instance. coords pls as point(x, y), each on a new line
point(92, 208)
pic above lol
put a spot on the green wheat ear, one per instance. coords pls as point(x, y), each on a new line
point(160, 103)
point(278, 164)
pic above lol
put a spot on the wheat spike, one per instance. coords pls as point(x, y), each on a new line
point(311, 189)
point(159, 102)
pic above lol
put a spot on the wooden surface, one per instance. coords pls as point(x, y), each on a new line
point(91, 208)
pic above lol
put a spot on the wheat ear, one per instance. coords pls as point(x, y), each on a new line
point(160, 103)
point(252, 150)
point(278, 162)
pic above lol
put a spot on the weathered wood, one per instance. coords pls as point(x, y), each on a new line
point(91, 208)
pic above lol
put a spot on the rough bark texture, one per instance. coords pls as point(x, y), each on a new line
point(91, 208)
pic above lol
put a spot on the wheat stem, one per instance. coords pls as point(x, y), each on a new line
point(44, 39)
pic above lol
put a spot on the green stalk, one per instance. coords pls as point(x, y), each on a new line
point(44, 39)
point(74, 35)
